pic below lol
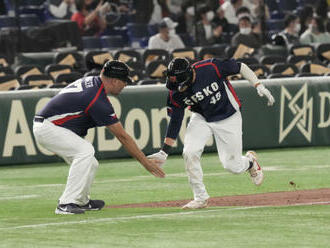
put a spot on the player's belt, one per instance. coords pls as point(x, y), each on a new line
point(39, 119)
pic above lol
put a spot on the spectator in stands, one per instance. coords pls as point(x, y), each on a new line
point(315, 33)
point(246, 36)
point(220, 19)
point(62, 9)
point(90, 22)
point(206, 33)
point(230, 8)
point(305, 16)
point(322, 8)
point(166, 38)
point(260, 10)
point(289, 36)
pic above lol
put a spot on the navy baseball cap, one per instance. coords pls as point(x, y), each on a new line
point(117, 69)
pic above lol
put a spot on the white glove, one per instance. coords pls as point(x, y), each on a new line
point(160, 156)
point(262, 91)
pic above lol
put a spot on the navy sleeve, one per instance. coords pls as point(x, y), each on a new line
point(175, 109)
point(227, 67)
point(102, 112)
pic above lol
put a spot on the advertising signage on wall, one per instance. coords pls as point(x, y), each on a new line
point(300, 117)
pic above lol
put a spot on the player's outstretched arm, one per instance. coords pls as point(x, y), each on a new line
point(151, 165)
point(248, 74)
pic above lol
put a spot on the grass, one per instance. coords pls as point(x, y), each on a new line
point(28, 197)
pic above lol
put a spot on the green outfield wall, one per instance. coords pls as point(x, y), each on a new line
point(300, 117)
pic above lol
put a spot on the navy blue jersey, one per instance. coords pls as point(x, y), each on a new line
point(81, 105)
point(210, 95)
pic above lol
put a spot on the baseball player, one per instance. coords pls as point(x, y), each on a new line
point(61, 125)
point(204, 88)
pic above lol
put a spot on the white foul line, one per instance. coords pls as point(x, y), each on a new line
point(18, 197)
point(127, 218)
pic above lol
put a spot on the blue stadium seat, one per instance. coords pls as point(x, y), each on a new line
point(29, 20)
point(275, 24)
point(91, 42)
point(112, 41)
point(136, 32)
point(7, 21)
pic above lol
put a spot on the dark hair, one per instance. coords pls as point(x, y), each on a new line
point(242, 9)
point(320, 24)
point(80, 4)
point(202, 10)
point(289, 19)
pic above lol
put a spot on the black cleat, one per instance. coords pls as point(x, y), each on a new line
point(93, 205)
point(70, 208)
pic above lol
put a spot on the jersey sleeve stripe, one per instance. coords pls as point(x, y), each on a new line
point(94, 99)
point(172, 101)
point(214, 66)
point(233, 92)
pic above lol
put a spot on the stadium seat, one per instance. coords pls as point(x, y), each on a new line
point(9, 82)
point(275, 24)
point(155, 54)
point(113, 41)
point(261, 71)
point(68, 77)
point(39, 81)
point(153, 29)
point(288, 6)
point(129, 55)
point(149, 82)
point(217, 51)
point(136, 76)
point(307, 74)
point(284, 68)
point(300, 60)
point(230, 50)
point(156, 68)
point(29, 20)
point(58, 85)
point(323, 52)
point(93, 72)
point(24, 70)
point(136, 31)
point(188, 52)
point(315, 68)
point(7, 21)
point(96, 59)
point(74, 59)
point(248, 60)
point(26, 87)
point(55, 69)
point(6, 70)
point(91, 43)
point(269, 60)
point(302, 50)
point(278, 75)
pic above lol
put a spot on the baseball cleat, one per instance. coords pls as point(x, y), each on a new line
point(255, 171)
point(195, 204)
point(70, 208)
point(93, 205)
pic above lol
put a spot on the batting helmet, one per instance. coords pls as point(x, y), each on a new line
point(179, 74)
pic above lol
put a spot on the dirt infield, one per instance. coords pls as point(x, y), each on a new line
point(297, 197)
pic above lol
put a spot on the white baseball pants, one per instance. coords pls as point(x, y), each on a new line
point(77, 152)
point(228, 137)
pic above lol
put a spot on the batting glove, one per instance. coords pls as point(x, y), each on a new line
point(262, 91)
point(160, 156)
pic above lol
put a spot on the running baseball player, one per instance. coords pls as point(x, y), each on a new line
point(61, 125)
point(204, 88)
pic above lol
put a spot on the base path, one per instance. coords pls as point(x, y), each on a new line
point(297, 197)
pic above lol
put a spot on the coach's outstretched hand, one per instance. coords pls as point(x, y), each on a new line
point(152, 165)
point(263, 91)
point(160, 156)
